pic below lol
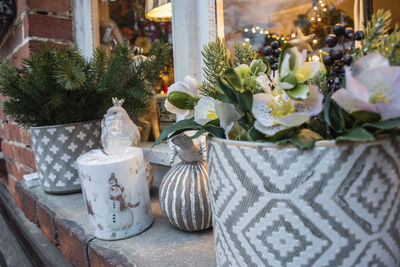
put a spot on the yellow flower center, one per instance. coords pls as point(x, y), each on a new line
point(378, 97)
point(281, 107)
point(211, 114)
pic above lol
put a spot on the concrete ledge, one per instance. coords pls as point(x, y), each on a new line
point(63, 219)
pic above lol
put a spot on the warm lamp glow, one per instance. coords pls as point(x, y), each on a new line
point(159, 10)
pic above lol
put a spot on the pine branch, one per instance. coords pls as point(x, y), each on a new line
point(216, 59)
point(243, 54)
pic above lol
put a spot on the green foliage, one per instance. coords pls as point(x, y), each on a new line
point(375, 35)
point(243, 54)
point(58, 86)
point(216, 59)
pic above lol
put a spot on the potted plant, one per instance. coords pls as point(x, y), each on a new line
point(61, 97)
point(303, 157)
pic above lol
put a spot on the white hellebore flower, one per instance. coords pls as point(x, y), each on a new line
point(373, 85)
point(276, 111)
point(209, 109)
point(188, 86)
point(294, 72)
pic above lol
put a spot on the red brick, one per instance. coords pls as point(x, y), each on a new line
point(13, 39)
point(59, 6)
point(28, 202)
point(12, 168)
point(12, 187)
point(49, 27)
point(46, 222)
point(36, 45)
point(26, 137)
point(21, 7)
point(24, 155)
point(72, 242)
point(18, 56)
point(16, 135)
point(21, 173)
point(7, 150)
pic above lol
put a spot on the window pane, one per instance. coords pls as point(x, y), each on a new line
point(260, 21)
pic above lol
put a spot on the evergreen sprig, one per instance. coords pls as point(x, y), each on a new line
point(243, 54)
point(58, 86)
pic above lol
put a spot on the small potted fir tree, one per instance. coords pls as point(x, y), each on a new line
point(61, 97)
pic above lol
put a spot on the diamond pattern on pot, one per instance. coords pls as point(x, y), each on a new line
point(368, 192)
point(57, 148)
point(343, 211)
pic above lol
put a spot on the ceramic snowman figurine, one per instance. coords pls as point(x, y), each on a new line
point(120, 216)
point(118, 130)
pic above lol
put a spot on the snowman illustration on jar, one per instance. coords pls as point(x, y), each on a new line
point(120, 217)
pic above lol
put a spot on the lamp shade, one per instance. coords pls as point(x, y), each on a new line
point(158, 10)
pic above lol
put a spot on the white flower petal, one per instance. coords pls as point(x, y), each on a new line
point(374, 60)
point(204, 111)
point(186, 115)
point(285, 85)
point(268, 130)
point(313, 104)
point(192, 84)
point(260, 109)
point(308, 70)
point(345, 99)
point(180, 87)
point(355, 88)
point(389, 110)
point(385, 80)
point(171, 108)
point(227, 113)
point(264, 83)
point(294, 119)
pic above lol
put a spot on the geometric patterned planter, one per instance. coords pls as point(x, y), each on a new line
point(335, 205)
point(56, 149)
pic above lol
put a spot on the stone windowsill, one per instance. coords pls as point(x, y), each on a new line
point(63, 220)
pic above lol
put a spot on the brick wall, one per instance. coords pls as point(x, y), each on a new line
point(37, 22)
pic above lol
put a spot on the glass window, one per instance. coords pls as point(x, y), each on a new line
point(259, 22)
point(125, 20)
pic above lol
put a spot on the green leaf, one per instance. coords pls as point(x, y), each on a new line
point(356, 134)
point(181, 100)
point(229, 95)
point(387, 124)
point(366, 116)
point(305, 139)
point(258, 67)
point(245, 101)
point(215, 131)
point(284, 48)
point(183, 125)
point(233, 79)
point(299, 92)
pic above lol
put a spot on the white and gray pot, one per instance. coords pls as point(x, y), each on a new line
point(56, 149)
point(335, 205)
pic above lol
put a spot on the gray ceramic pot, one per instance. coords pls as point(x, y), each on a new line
point(335, 205)
point(56, 149)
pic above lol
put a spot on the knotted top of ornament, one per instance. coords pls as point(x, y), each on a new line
point(118, 102)
point(118, 130)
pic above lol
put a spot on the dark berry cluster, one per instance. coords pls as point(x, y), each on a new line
point(339, 57)
point(272, 53)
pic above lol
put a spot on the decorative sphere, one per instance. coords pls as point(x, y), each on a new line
point(328, 60)
point(347, 60)
point(274, 44)
point(274, 66)
point(331, 40)
point(338, 29)
point(337, 68)
point(276, 60)
point(277, 52)
point(336, 54)
point(349, 33)
point(359, 35)
point(267, 50)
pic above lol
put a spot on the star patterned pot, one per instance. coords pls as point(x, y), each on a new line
point(56, 149)
point(334, 205)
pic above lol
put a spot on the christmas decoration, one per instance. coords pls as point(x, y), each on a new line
point(302, 42)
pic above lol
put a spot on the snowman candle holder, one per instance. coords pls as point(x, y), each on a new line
point(114, 183)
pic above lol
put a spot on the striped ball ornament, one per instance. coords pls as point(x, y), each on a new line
point(184, 196)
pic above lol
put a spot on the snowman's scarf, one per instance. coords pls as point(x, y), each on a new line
point(121, 201)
